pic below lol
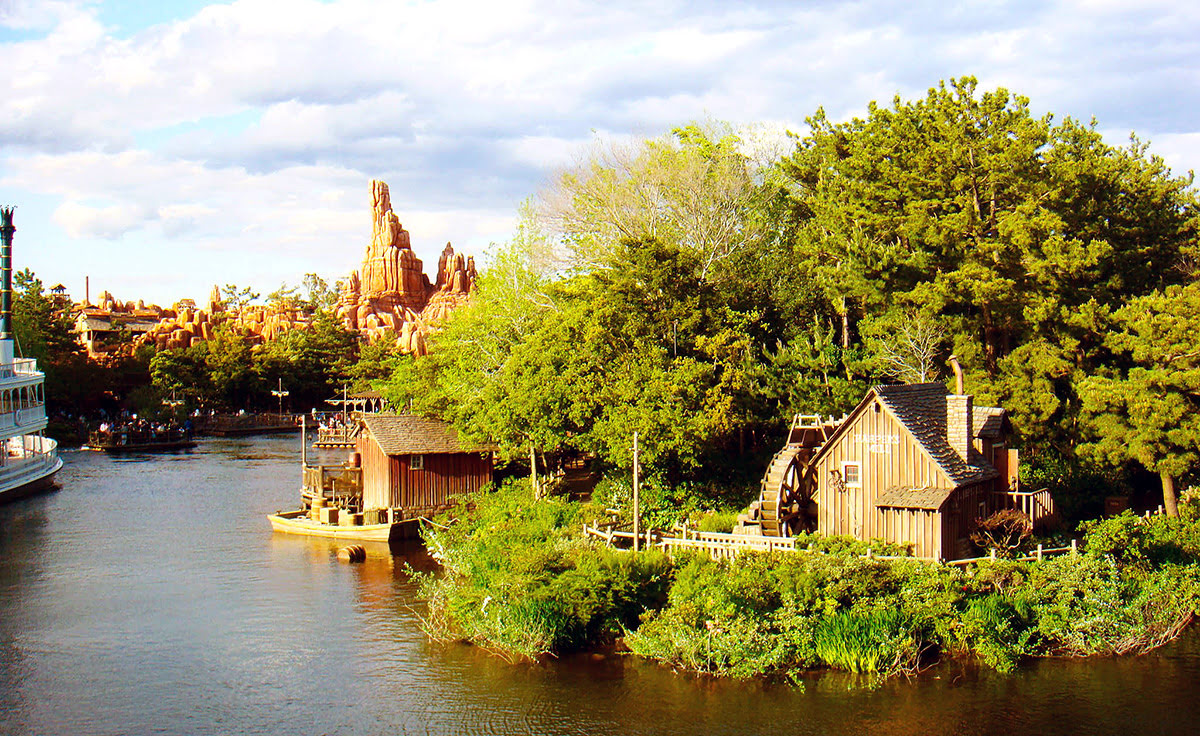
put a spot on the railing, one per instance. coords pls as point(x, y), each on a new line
point(39, 455)
point(337, 436)
point(1038, 555)
point(20, 417)
point(1037, 505)
point(342, 483)
point(20, 367)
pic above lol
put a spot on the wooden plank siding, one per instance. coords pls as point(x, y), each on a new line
point(888, 457)
point(392, 482)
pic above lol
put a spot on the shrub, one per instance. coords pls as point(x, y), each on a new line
point(519, 580)
point(1005, 531)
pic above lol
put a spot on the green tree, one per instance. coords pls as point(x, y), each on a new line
point(1021, 234)
point(1145, 408)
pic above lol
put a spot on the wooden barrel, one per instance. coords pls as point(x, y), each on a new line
point(352, 553)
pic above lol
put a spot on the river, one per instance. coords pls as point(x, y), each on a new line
point(149, 596)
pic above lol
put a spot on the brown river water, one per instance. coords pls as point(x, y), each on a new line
point(149, 596)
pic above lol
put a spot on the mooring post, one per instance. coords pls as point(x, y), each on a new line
point(636, 507)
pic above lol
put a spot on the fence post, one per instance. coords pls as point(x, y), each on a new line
point(1039, 554)
point(1074, 546)
point(992, 554)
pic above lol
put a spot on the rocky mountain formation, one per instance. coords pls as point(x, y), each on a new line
point(393, 294)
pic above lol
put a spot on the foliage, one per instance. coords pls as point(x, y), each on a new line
point(518, 582)
point(42, 330)
point(1006, 531)
point(1144, 407)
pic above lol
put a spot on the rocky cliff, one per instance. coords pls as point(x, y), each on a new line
point(391, 292)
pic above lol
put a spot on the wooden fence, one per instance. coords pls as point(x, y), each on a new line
point(723, 546)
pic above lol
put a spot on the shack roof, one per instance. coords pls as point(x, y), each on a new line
point(988, 421)
point(403, 434)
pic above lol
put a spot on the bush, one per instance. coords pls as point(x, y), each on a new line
point(518, 578)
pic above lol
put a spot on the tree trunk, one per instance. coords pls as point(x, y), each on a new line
point(1168, 485)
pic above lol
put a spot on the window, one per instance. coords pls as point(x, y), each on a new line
point(416, 462)
point(851, 475)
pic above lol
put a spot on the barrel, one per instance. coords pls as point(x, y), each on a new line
point(352, 553)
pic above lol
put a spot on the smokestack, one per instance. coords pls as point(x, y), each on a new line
point(960, 412)
point(958, 375)
point(7, 230)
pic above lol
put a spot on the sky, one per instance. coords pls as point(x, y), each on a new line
point(160, 148)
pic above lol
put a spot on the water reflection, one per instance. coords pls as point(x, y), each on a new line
point(150, 596)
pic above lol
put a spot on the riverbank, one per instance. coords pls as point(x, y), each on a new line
point(110, 624)
point(521, 581)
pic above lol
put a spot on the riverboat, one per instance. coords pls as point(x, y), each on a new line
point(140, 440)
point(243, 425)
point(28, 459)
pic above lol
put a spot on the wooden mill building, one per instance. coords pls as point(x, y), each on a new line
point(417, 465)
point(911, 464)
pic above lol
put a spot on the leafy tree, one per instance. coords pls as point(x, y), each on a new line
point(236, 299)
point(1020, 233)
point(1146, 408)
point(693, 190)
point(317, 292)
point(43, 330)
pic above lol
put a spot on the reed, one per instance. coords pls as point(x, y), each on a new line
point(878, 641)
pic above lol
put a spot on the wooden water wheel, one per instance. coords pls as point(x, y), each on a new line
point(786, 503)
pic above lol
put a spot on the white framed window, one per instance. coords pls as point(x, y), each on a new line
point(852, 475)
point(416, 462)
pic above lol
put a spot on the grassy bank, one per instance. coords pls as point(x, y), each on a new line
point(520, 580)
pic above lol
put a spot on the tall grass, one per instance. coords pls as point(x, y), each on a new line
point(874, 641)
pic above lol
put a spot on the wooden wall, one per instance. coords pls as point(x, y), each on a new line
point(888, 457)
point(376, 483)
point(391, 482)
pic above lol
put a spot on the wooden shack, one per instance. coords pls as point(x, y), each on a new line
point(911, 464)
point(417, 466)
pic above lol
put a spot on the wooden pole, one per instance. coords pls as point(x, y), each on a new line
point(303, 440)
point(636, 507)
point(533, 479)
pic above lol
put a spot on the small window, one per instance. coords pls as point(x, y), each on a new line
point(416, 462)
point(850, 472)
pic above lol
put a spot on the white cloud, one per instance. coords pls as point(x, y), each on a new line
point(253, 130)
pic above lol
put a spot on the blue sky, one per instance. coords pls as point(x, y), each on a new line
point(160, 148)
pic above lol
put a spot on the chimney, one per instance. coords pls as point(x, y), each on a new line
point(6, 230)
point(959, 415)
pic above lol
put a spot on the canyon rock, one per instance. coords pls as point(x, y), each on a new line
point(391, 292)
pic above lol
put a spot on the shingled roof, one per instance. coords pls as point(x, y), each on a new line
point(921, 408)
point(988, 421)
point(930, 499)
point(404, 434)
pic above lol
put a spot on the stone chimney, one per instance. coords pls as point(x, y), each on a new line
point(959, 415)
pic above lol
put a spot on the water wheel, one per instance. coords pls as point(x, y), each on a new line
point(785, 503)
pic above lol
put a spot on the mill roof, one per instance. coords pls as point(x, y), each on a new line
point(921, 408)
point(988, 421)
point(403, 434)
point(930, 499)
